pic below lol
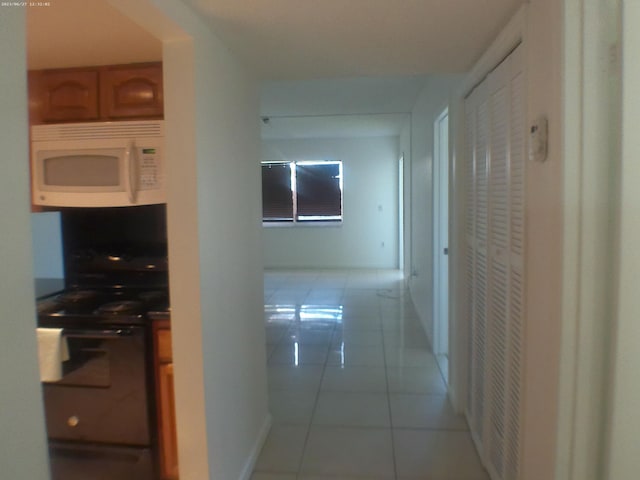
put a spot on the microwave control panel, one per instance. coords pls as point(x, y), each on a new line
point(149, 168)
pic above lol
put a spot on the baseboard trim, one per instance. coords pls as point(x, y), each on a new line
point(257, 447)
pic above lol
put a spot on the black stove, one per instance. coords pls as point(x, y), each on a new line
point(101, 413)
point(101, 305)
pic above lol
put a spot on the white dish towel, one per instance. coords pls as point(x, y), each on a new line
point(52, 351)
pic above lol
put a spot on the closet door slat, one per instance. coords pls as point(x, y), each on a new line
point(481, 278)
point(469, 245)
point(516, 284)
point(497, 325)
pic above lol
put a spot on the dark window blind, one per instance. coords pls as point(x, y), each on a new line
point(318, 191)
point(277, 198)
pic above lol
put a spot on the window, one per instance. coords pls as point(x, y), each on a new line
point(306, 191)
point(277, 204)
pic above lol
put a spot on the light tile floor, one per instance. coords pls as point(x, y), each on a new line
point(355, 392)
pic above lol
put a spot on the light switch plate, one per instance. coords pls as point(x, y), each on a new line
point(538, 140)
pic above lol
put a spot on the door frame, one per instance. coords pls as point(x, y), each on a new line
point(401, 165)
point(441, 235)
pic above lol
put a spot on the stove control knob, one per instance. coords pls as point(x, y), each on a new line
point(73, 421)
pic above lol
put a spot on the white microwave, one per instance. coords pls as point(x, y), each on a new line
point(101, 164)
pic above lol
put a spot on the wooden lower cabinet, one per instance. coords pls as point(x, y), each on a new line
point(168, 442)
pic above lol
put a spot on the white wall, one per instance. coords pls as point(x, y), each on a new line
point(543, 264)
point(591, 170)
point(622, 461)
point(434, 98)
point(541, 28)
point(23, 451)
point(215, 253)
point(47, 245)
point(352, 96)
point(370, 202)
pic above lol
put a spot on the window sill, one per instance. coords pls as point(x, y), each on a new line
point(319, 224)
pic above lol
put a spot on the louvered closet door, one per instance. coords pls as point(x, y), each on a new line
point(469, 244)
point(480, 203)
point(515, 354)
point(494, 228)
point(476, 375)
point(497, 328)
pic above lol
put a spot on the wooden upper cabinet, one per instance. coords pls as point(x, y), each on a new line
point(67, 95)
point(131, 92)
point(114, 92)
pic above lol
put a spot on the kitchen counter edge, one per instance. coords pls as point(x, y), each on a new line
point(45, 287)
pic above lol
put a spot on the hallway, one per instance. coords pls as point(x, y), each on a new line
point(355, 392)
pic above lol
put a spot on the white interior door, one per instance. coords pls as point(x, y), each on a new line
point(441, 236)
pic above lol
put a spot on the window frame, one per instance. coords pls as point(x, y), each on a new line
point(321, 221)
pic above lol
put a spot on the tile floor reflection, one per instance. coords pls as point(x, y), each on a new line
point(354, 390)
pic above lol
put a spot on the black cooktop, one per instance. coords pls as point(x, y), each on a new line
point(107, 305)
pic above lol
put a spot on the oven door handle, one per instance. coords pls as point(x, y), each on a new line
point(98, 334)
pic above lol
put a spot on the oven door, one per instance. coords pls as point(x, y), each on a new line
point(89, 462)
point(102, 395)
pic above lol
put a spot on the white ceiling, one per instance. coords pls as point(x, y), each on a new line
point(333, 126)
point(303, 39)
point(287, 39)
point(330, 96)
point(326, 43)
point(74, 33)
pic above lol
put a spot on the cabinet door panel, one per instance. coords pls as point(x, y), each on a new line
point(131, 92)
point(168, 439)
point(163, 339)
point(68, 96)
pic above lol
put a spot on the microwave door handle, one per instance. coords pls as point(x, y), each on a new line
point(131, 161)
